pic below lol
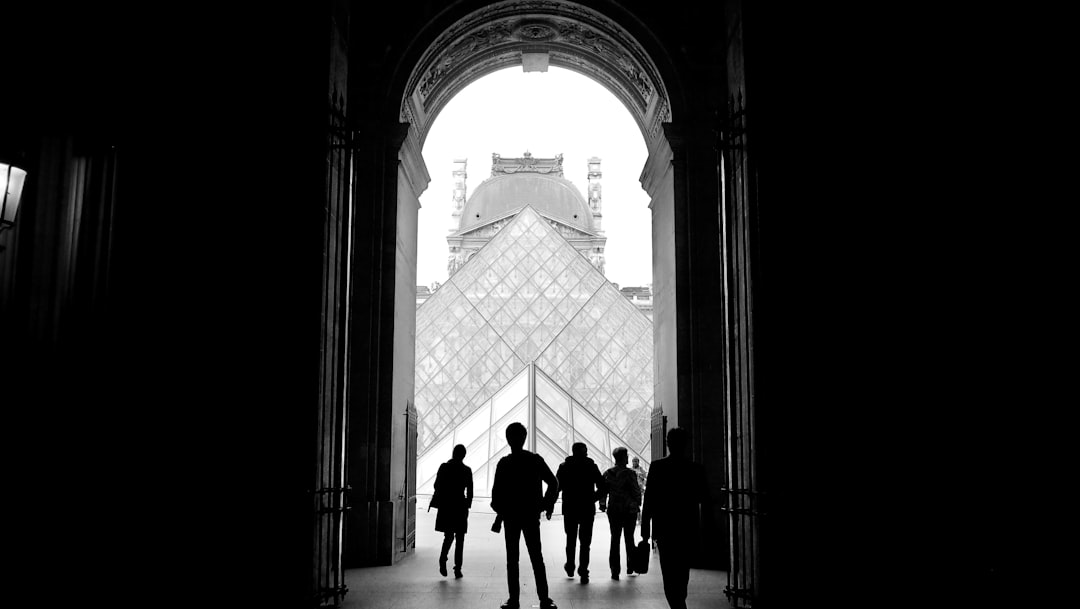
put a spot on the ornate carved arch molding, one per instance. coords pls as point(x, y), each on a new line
point(573, 36)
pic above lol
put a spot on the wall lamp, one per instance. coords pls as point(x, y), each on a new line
point(11, 186)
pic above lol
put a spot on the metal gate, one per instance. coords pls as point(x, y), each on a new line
point(328, 497)
point(408, 485)
point(741, 497)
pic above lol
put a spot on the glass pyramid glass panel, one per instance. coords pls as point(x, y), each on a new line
point(551, 432)
point(528, 296)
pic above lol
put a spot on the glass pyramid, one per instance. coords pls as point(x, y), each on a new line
point(555, 421)
point(529, 297)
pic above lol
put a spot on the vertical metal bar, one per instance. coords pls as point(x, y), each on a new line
point(328, 500)
point(344, 261)
point(532, 406)
point(341, 454)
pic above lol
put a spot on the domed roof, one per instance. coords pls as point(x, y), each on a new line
point(547, 194)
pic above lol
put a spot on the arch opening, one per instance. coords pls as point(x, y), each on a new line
point(531, 36)
point(570, 116)
point(537, 37)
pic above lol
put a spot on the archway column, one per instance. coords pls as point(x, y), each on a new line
point(389, 176)
point(681, 177)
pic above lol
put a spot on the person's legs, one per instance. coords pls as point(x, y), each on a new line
point(513, 541)
point(570, 527)
point(675, 565)
point(586, 541)
point(615, 525)
point(531, 532)
point(459, 551)
point(448, 538)
point(628, 537)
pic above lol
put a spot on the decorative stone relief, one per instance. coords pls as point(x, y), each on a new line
point(568, 232)
point(573, 35)
point(406, 115)
point(477, 41)
point(488, 230)
point(526, 163)
point(589, 39)
point(662, 115)
point(597, 260)
point(536, 31)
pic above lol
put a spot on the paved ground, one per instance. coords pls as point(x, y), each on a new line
point(415, 583)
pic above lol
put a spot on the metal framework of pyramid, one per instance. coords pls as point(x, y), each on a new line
point(529, 297)
point(554, 419)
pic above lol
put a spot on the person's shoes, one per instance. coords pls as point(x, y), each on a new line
point(569, 568)
point(547, 603)
point(457, 573)
point(585, 578)
point(615, 576)
point(442, 566)
point(509, 604)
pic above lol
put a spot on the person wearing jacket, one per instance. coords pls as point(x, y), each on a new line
point(517, 497)
point(581, 486)
point(453, 497)
point(622, 504)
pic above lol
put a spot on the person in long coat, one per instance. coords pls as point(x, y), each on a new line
point(674, 493)
point(453, 497)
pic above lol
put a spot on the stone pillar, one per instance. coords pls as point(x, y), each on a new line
point(680, 176)
point(657, 179)
point(412, 181)
point(386, 184)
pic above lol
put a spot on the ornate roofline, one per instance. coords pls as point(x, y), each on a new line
point(526, 164)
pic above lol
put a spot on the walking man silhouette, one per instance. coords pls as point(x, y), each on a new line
point(518, 498)
point(581, 486)
point(673, 492)
point(622, 504)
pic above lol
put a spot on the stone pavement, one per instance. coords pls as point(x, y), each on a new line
point(415, 583)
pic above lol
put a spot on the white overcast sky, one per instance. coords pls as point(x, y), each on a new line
point(545, 113)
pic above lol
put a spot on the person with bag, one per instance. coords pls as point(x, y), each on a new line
point(453, 498)
point(581, 485)
point(673, 494)
point(622, 506)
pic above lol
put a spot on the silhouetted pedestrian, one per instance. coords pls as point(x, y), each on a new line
point(453, 497)
point(622, 504)
point(517, 496)
point(581, 486)
point(673, 493)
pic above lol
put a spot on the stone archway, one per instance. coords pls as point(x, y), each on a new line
point(441, 60)
point(539, 33)
point(574, 37)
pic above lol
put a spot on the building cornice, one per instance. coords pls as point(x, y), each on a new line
point(659, 164)
point(412, 161)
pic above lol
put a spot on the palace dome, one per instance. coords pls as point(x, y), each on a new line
point(550, 195)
